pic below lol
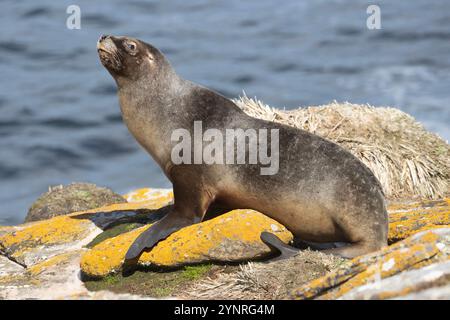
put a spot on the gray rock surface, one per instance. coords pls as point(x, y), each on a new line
point(61, 200)
point(415, 282)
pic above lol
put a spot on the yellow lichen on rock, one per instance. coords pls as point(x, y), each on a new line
point(108, 256)
point(35, 242)
point(318, 286)
point(53, 262)
point(416, 251)
point(5, 229)
point(146, 194)
point(408, 219)
point(405, 220)
point(416, 205)
point(48, 246)
point(411, 282)
point(145, 198)
point(151, 204)
point(388, 265)
point(233, 236)
point(57, 230)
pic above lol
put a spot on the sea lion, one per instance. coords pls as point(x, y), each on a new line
point(321, 192)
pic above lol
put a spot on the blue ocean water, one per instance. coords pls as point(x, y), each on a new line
point(59, 115)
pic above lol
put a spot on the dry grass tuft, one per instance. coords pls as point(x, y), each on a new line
point(409, 161)
point(256, 280)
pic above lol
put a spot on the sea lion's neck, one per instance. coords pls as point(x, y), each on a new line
point(147, 108)
point(151, 92)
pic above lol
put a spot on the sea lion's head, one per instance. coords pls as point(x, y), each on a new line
point(129, 58)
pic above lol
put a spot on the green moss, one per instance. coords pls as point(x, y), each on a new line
point(83, 194)
point(110, 280)
point(163, 292)
point(155, 283)
point(195, 272)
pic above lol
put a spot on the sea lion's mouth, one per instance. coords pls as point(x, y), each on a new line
point(103, 51)
point(108, 53)
point(104, 55)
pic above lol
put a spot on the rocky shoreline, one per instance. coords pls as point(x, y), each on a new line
point(52, 259)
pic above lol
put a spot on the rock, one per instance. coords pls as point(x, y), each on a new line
point(434, 275)
point(417, 251)
point(4, 230)
point(408, 219)
point(8, 267)
point(438, 293)
point(55, 278)
point(74, 197)
point(51, 249)
point(35, 242)
point(44, 258)
point(145, 194)
point(231, 237)
point(41, 260)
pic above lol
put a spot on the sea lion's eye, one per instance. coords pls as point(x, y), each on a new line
point(130, 45)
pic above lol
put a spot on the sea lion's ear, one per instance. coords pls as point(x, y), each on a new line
point(150, 57)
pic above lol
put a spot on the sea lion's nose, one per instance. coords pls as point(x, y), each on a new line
point(103, 37)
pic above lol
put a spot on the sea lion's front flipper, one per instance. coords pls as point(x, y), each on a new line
point(159, 231)
point(190, 205)
point(275, 243)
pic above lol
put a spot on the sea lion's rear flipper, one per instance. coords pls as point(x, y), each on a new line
point(276, 244)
